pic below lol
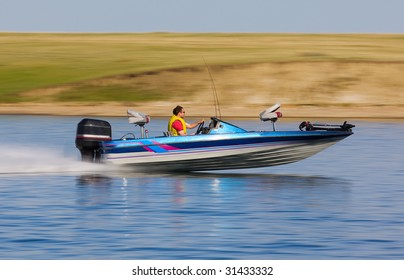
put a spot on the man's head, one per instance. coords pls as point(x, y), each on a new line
point(179, 111)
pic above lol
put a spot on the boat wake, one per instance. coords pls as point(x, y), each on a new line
point(38, 160)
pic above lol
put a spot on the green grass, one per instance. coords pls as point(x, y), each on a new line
point(31, 61)
point(107, 93)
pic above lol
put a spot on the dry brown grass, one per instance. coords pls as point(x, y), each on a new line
point(322, 75)
point(330, 89)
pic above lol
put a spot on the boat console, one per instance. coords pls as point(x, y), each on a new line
point(218, 126)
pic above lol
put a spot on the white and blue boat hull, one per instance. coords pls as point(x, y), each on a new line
point(217, 152)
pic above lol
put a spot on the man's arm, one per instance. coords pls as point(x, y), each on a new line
point(193, 125)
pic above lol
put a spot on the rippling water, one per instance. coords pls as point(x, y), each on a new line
point(344, 203)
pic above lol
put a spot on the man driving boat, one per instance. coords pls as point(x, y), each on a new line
point(177, 125)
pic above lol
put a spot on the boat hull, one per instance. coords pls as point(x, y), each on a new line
point(218, 152)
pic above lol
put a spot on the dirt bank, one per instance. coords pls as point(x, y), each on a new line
point(163, 109)
point(305, 89)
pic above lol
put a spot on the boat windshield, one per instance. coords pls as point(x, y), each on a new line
point(218, 126)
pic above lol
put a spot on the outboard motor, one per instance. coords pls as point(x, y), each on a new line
point(90, 132)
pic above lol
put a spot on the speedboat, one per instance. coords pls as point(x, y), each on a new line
point(218, 146)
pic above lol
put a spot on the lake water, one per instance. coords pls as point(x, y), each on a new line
point(346, 202)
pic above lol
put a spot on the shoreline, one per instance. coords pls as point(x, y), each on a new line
point(163, 109)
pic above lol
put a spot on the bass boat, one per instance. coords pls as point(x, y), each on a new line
point(218, 146)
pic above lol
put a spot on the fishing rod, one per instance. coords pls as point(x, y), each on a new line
point(215, 97)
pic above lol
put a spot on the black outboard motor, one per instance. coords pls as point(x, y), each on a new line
point(90, 132)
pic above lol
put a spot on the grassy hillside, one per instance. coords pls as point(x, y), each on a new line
point(343, 69)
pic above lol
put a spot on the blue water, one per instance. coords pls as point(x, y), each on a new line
point(346, 202)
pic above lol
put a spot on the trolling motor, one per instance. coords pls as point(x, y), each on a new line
point(308, 126)
point(270, 114)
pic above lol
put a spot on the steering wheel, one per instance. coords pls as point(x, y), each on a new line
point(200, 127)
